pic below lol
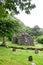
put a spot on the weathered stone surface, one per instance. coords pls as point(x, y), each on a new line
point(23, 39)
point(30, 58)
point(14, 49)
point(36, 51)
point(33, 63)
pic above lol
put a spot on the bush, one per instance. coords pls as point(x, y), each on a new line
point(40, 39)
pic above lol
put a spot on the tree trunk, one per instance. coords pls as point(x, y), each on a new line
point(3, 41)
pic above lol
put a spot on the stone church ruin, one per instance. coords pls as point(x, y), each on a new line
point(23, 39)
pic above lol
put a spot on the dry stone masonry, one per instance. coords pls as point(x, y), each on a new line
point(23, 39)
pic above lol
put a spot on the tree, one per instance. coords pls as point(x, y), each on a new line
point(36, 30)
point(36, 27)
point(3, 12)
point(8, 26)
point(22, 4)
point(28, 30)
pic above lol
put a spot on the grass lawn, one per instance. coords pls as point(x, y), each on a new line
point(16, 45)
point(19, 57)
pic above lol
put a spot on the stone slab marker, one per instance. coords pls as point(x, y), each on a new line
point(30, 58)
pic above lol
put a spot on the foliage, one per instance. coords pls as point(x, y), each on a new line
point(3, 12)
point(8, 27)
point(36, 27)
point(23, 5)
point(35, 31)
point(29, 31)
point(40, 39)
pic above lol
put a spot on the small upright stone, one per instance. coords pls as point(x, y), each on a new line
point(30, 58)
point(36, 51)
point(14, 49)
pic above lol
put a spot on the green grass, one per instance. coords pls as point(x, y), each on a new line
point(19, 57)
point(17, 45)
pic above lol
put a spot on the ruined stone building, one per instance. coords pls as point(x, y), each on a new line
point(23, 39)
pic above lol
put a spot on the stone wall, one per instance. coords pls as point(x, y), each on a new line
point(24, 39)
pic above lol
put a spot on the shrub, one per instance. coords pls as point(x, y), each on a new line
point(40, 39)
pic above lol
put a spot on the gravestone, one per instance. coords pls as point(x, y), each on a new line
point(30, 58)
point(36, 51)
point(14, 49)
